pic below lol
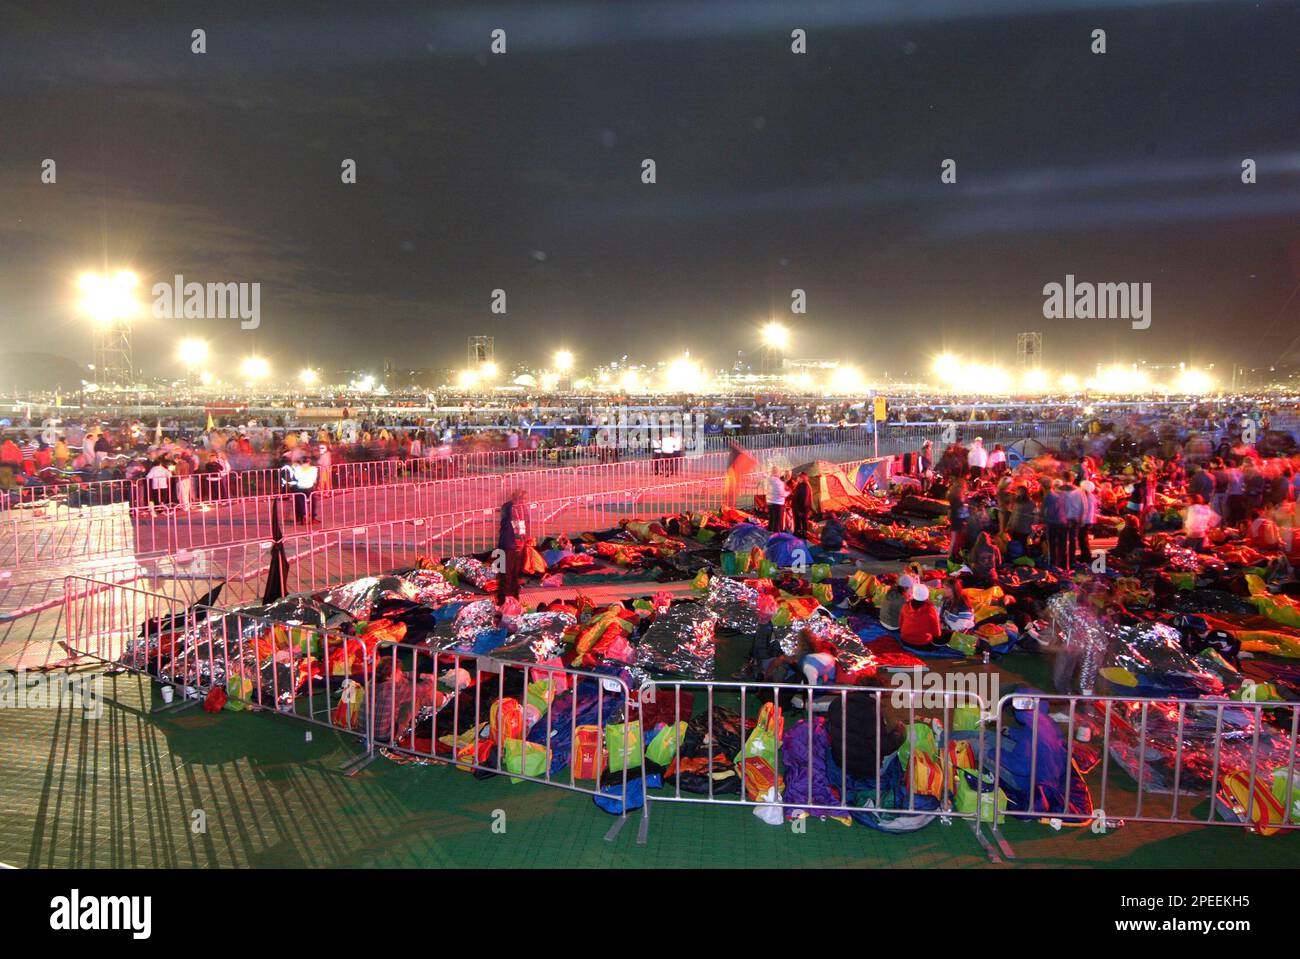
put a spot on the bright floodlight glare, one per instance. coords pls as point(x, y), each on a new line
point(192, 351)
point(564, 360)
point(776, 336)
point(206, 378)
point(467, 379)
point(550, 380)
point(489, 370)
point(948, 369)
point(307, 377)
point(1069, 383)
point(630, 381)
point(1035, 381)
point(106, 299)
point(684, 375)
point(846, 380)
point(1194, 382)
point(254, 368)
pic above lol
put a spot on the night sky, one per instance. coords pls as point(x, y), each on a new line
point(775, 171)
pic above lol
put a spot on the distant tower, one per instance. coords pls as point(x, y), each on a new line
point(482, 350)
point(111, 346)
point(1029, 350)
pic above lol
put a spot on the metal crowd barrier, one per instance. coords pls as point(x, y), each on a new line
point(167, 527)
point(308, 672)
point(74, 493)
point(1169, 737)
point(469, 730)
point(807, 705)
point(1171, 755)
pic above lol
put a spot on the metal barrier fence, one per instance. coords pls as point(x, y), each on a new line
point(846, 788)
point(382, 692)
point(1170, 754)
point(1176, 753)
point(29, 538)
point(71, 491)
point(307, 671)
point(486, 714)
point(321, 558)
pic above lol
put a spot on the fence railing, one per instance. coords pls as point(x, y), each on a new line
point(1095, 760)
point(171, 522)
point(1229, 757)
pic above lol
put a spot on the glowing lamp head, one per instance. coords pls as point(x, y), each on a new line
point(564, 360)
point(776, 336)
point(255, 368)
point(192, 352)
point(107, 299)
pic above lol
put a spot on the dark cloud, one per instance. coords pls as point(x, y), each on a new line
point(774, 171)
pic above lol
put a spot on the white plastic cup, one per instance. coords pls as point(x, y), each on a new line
point(167, 693)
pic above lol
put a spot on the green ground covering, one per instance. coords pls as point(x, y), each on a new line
point(121, 791)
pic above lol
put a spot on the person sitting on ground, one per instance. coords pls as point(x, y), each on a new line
point(1197, 636)
point(891, 606)
point(811, 662)
point(1198, 519)
point(985, 558)
point(956, 615)
point(859, 733)
point(918, 624)
point(832, 538)
point(1263, 533)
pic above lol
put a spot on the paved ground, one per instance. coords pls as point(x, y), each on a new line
point(123, 791)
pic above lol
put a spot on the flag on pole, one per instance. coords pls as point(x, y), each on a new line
point(278, 573)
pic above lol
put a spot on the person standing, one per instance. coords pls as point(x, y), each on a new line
point(512, 539)
point(1087, 494)
point(184, 480)
point(978, 458)
point(1056, 519)
point(159, 481)
point(776, 493)
point(958, 515)
point(801, 505)
point(305, 476)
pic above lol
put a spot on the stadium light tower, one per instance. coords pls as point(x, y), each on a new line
point(776, 340)
point(109, 301)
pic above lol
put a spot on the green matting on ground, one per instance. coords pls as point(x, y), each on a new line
point(122, 791)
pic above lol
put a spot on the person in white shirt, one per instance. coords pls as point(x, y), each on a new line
point(1198, 520)
point(997, 460)
point(978, 457)
point(159, 480)
point(305, 476)
point(672, 450)
point(776, 491)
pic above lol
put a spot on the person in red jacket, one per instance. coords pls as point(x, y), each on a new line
point(918, 623)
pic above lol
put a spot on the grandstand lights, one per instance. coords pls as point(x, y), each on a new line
point(307, 377)
point(192, 352)
point(776, 336)
point(564, 360)
point(255, 368)
point(489, 370)
point(107, 299)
